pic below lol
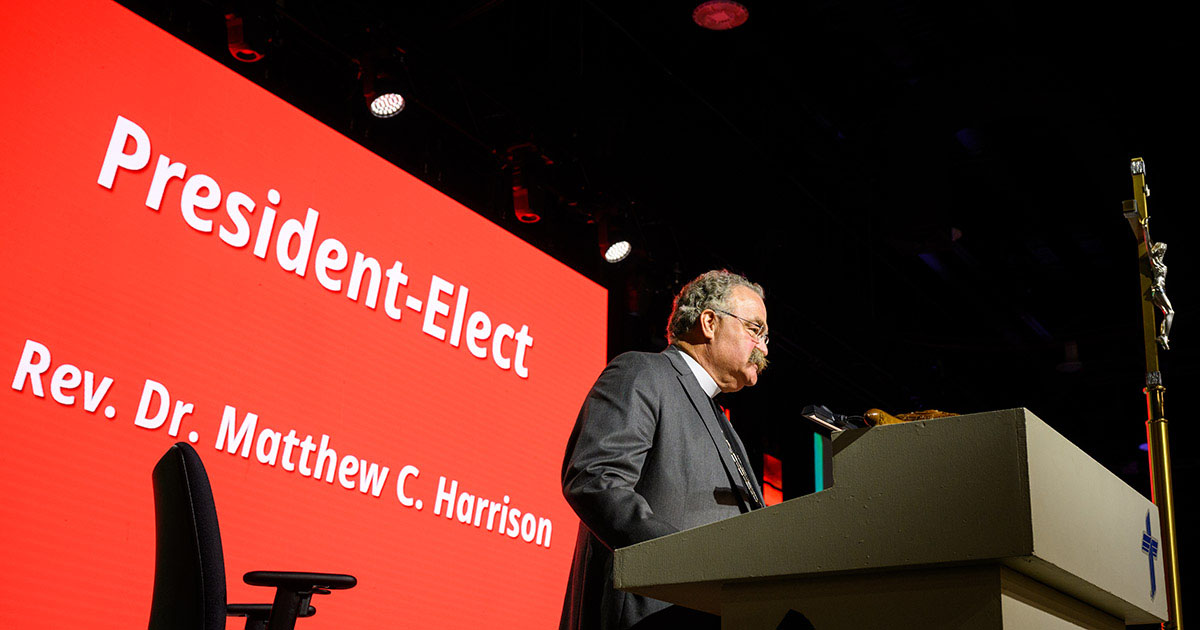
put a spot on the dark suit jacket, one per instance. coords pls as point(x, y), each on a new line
point(646, 458)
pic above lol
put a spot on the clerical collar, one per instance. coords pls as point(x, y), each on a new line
point(705, 379)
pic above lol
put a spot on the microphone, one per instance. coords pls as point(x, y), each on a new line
point(821, 415)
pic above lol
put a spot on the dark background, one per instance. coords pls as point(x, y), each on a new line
point(929, 191)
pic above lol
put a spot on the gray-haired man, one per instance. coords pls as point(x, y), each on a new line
point(651, 455)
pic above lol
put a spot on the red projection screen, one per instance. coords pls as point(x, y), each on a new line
point(379, 381)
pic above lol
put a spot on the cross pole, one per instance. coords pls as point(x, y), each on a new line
point(1154, 299)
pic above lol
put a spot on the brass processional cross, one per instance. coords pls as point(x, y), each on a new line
point(1153, 272)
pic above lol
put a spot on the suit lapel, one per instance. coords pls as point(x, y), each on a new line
point(703, 406)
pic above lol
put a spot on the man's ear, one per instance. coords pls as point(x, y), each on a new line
point(708, 324)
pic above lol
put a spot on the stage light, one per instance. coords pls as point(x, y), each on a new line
point(1070, 362)
point(614, 244)
point(720, 15)
point(520, 196)
point(617, 251)
point(387, 105)
point(247, 36)
point(518, 157)
point(384, 92)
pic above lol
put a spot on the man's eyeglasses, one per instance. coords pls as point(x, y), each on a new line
point(756, 330)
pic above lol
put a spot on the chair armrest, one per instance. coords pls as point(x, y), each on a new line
point(296, 580)
point(247, 610)
point(293, 591)
point(257, 615)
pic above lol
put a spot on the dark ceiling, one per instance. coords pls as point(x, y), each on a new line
point(929, 191)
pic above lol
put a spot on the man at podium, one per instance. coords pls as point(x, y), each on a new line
point(652, 454)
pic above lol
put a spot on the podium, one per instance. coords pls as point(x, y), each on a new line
point(982, 521)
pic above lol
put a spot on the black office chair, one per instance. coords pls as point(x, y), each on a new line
point(189, 565)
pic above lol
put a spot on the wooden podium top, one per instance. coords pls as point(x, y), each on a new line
point(997, 487)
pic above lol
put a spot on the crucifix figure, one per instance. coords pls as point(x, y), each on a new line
point(1158, 292)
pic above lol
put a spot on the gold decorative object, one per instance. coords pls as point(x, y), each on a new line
point(1153, 274)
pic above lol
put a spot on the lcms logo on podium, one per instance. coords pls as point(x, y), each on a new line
point(1150, 548)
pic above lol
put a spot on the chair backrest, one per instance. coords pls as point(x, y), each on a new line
point(189, 565)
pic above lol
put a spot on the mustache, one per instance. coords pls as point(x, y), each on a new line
point(759, 360)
